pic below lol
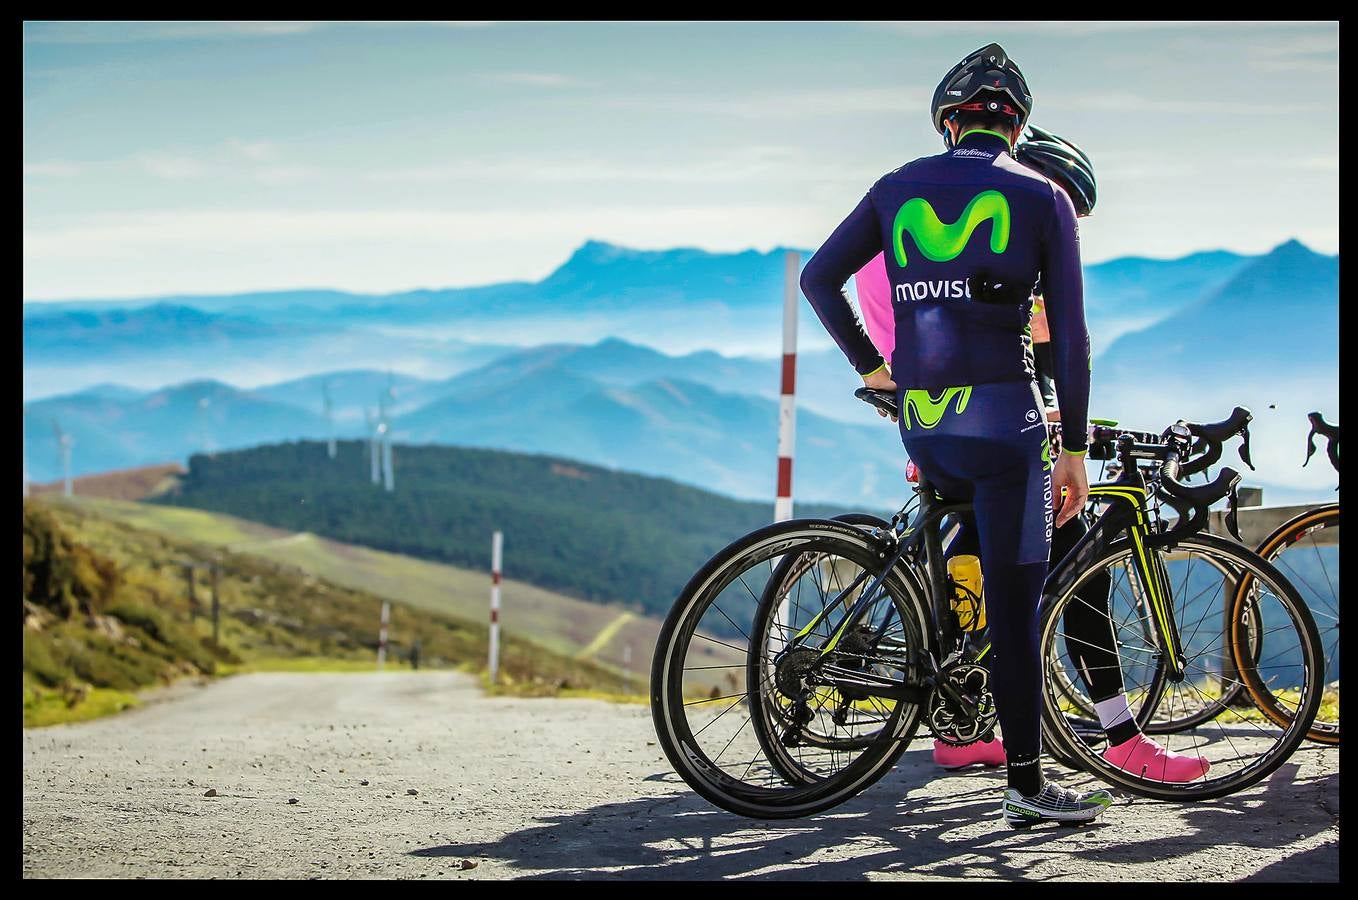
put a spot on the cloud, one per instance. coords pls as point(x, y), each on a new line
point(1310, 53)
point(171, 168)
point(738, 166)
point(780, 104)
point(1068, 29)
point(53, 169)
point(255, 151)
point(1129, 102)
point(135, 32)
point(532, 79)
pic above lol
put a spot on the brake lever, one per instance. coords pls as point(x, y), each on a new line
point(1233, 520)
point(1245, 447)
point(1310, 444)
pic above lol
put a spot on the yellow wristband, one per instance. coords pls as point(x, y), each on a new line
point(874, 371)
point(1075, 452)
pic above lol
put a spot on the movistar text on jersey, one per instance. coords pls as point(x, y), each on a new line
point(957, 289)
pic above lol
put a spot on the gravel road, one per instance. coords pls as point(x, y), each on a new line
point(416, 775)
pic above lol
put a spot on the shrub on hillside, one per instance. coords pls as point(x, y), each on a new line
point(61, 575)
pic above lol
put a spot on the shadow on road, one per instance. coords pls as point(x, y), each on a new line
point(897, 827)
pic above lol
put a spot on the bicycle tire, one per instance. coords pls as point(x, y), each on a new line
point(770, 714)
point(1279, 740)
point(763, 799)
point(1291, 534)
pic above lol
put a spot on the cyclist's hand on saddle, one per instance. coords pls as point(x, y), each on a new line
point(1069, 475)
point(880, 381)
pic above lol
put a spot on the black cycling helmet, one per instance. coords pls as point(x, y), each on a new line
point(1062, 162)
point(986, 80)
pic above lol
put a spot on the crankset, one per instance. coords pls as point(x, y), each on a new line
point(965, 713)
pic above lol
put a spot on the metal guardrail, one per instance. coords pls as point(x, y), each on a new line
point(1258, 522)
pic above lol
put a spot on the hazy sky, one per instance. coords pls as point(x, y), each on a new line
point(207, 158)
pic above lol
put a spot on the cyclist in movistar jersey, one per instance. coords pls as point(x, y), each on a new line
point(1089, 639)
point(966, 235)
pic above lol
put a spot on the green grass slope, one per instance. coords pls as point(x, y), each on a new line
point(107, 612)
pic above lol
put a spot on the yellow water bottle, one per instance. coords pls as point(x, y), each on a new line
point(967, 600)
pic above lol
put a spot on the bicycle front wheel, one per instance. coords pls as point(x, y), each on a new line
point(1306, 550)
point(1241, 744)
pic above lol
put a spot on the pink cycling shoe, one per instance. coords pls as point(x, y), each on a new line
point(986, 753)
point(1142, 756)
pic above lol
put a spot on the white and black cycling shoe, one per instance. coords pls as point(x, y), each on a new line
point(1054, 804)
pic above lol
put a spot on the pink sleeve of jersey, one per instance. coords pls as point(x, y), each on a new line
point(874, 299)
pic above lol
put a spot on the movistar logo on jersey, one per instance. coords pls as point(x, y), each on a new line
point(928, 412)
point(939, 242)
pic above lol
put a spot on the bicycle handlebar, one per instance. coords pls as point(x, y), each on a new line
point(1170, 448)
point(1190, 502)
point(1213, 435)
point(1327, 431)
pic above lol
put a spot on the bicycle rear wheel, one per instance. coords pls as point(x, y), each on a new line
point(1241, 743)
point(713, 708)
point(1306, 550)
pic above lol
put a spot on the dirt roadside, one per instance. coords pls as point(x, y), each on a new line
point(407, 775)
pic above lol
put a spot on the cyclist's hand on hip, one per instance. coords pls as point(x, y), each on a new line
point(1069, 477)
point(880, 381)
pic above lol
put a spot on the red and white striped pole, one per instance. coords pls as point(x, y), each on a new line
point(787, 421)
point(787, 409)
point(382, 635)
point(497, 542)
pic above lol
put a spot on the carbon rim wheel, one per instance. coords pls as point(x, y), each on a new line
point(1305, 550)
point(700, 701)
point(1241, 744)
point(792, 720)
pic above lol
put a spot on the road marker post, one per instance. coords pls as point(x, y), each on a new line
point(382, 635)
point(497, 542)
point(216, 606)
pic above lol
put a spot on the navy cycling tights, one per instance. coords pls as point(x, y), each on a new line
point(987, 444)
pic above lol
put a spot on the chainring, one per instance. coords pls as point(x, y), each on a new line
point(952, 725)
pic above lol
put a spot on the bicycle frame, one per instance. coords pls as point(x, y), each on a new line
point(1128, 511)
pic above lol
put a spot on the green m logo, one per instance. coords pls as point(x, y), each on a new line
point(928, 411)
point(940, 242)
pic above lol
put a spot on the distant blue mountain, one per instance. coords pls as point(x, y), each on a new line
point(680, 429)
point(680, 301)
point(109, 391)
point(140, 330)
point(1132, 292)
point(1268, 340)
point(162, 426)
point(351, 391)
point(1277, 315)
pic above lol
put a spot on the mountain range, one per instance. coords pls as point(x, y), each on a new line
point(1171, 337)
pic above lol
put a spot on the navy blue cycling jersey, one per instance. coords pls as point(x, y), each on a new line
point(942, 221)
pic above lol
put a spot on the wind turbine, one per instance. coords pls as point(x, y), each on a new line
point(388, 472)
point(203, 403)
point(329, 416)
point(372, 443)
point(65, 442)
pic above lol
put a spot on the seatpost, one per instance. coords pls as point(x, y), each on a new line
point(933, 555)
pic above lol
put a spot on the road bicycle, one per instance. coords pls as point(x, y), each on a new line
point(799, 662)
point(1305, 548)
